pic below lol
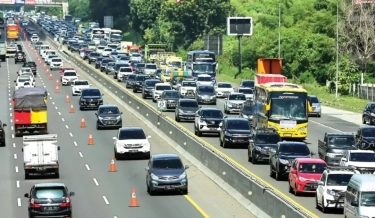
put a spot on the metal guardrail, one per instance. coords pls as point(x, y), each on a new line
point(261, 195)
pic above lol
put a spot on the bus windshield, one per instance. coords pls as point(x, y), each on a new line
point(203, 68)
point(288, 105)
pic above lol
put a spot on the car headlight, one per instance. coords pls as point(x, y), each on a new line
point(183, 175)
point(331, 155)
point(245, 116)
point(228, 134)
point(202, 122)
point(258, 148)
point(302, 129)
point(330, 192)
point(302, 179)
point(372, 114)
point(153, 176)
point(118, 118)
point(65, 79)
point(181, 111)
point(145, 144)
point(100, 118)
point(284, 161)
point(229, 104)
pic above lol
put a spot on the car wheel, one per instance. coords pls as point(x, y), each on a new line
point(98, 127)
point(253, 159)
point(185, 192)
point(272, 174)
point(134, 90)
point(295, 190)
point(199, 133)
point(143, 96)
point(148, 188)
point(290, 188)
point(316, 202)
point(324, 209)
point(116, 155)
point(363, 120)
point(81, 108)
point(277, 175)
point(153, 100)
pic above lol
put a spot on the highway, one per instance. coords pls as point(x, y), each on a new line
point(84, 168)
point(317, 128)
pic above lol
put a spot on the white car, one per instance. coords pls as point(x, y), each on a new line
point(159, 89)
point(359, 159)
point(204, 79)
point(234, 102)
point(136, 57)
point(223, 89)
point(188, 87)
point(34, 39)
point(43, 48)
point(49, 59)
point(123, 72)
point(248, 92)
point(100, 49)
point(32, 78)
point(56, 63)
point(23, 82)
point(331, 188)
point(69, 77)
point(106, 52)
point(78, 85)
point(131, 141)
point(46, 53)
point(24, 70)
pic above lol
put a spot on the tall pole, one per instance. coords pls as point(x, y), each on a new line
point(279, 40)
point(239, 55)
point(337, 49)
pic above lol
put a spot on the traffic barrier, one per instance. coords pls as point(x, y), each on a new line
point(67, 99)
point(265, 200)
point(50, 77)
point(112, 166)
point(134, 200)
point(83, 123)
point(57, 90)
point(71, 110)
point(91, 139)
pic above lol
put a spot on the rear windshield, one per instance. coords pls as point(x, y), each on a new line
point(56, 60)
point(81, 83)
point(47, 193)
point(314, 100)
point(91, 92)
point(189, 104)
point(70, 74)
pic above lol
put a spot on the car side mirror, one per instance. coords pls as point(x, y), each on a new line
point(114, 138)
point(344, 159)
point(121, 113)
point(186, 167)
point(4, 125)
point(320, 183)
point(149, 137)
point(251, 141)
point(26, 195)
point(147, 168)
point(354, 203)
point(312, 153)
point(15, 81)
point(58, 148)
point(72, 194)
point(96, 114)
point(220, 125)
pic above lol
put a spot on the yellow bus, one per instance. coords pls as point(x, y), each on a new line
point(282, 106)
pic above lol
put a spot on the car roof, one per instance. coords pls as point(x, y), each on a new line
point(130, 128)
point(237, 93)
point(187, 99)
point(210, 108)
point(310, 160)
point(108, 106)
point(205, 85)
point(40, 185)
point(165, 156)
point(292, 142)
point(91, 88)
point(156, 80)
point(236, 119)
point(162, 84)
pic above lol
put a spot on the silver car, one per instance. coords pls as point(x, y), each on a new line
point(150, 69)
point(315, 104)
point(234, 102)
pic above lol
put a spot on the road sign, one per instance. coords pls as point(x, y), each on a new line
point(108, 21)
point(162, 105)
point(239, 26)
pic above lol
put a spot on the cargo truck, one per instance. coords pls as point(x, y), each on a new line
point(30, 111)
point(161, 58)
point(134, 49)
point(12, 32)
point(68, 18)
point(269, 70)
point(151, 51)
point(174, 61)
point(124, 45)
point(40, 155)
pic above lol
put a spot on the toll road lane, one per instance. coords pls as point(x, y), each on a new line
point(73, 171)
point(316, 131)
point(130, 174)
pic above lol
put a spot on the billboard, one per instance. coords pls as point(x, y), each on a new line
point(19, 2)
point(9, 2)
point(30, 2)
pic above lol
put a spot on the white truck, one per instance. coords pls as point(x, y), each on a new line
point(11, 50)
point(40, 155)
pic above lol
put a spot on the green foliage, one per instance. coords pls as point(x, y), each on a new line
point(80, 9)
point(53, 11)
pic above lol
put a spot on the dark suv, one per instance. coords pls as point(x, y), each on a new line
point(91, 98)
point(365, 138)
point(50, 200)
point(186, 109)
point(93, 57)
point(109, 116)
point(20, 57)
point(235, 131)
point(262, 142)
point(149, 87)
point(368, 114)
point(98, 61)
point(32, 65)
point(2, 134)
point(139, 81)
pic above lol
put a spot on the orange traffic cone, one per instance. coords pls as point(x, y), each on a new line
point(45, 66)
point(83, 123)
point(47, 72)
point(133, 200)
point(39, 62)
point(50, 77)
point(112, 166)
point(91, 139)
point(71, 110)
point(57, 83)
point(67, 99)
point(57, 90)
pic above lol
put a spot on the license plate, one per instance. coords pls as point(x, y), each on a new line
point(190, 118)
point(212, 128)
point(169, 187)
point(40, 169)
point(237, 107)
point(288, 135)
point(133, 151)
point(92, 104)
point(172, 105)
point(50, 208)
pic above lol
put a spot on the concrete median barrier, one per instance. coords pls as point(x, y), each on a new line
point(262, 197)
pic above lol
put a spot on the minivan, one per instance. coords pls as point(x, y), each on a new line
point(316, 106)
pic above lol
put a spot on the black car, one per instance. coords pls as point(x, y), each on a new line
point(110, 67)
point(38, 44)
point(365, 138)
point(139, 81)
point(285, 152)
point(186, 109)
point(97, 62)
point(75, 47)
point(247, 111)
point(91, 98)
point(262, 142)
point(208, 120)
point(247, 84)
point(139, 68)
point(171, 98)
point(49, 200)
point(235, 132)
point(20, 57)
point(32, 65)
point(2, 134)
point(104, 63)
point(130, 81)
point(368, 114)
point(149, 87)
point(86, 54)
point(206, 94)
point(108, 116)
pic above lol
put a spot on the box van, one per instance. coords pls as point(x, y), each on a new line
point(360, 196)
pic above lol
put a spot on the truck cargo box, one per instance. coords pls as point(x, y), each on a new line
point(181, 74)
point(267, 78)
point(269, 66)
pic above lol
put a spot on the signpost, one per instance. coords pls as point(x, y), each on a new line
point(162, 105)
point(108, 21)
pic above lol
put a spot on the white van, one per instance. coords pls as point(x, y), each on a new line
point(42, 48)
point(360, 196)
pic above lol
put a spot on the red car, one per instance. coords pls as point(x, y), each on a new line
point(304, 175)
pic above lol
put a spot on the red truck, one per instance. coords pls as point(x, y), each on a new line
point(12, 32)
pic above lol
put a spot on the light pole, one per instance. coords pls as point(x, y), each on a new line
point(337, 49)
point(279, 40)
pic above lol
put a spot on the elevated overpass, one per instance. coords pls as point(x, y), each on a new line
point(39, 3)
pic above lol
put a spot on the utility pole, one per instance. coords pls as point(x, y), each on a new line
point(279, 40)
point(337, 50)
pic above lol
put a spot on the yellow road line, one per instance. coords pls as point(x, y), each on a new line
point(312, 214)
point(199, 209)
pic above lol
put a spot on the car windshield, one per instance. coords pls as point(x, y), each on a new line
point(150, 66)
point(109, 110)
point(104, 61)
point(246, 91)
point(140, 65)
point(171, 95)
point(131, 134)
point(141, 78)
point(163, 88)
point(224, 85)
point(362, 157)
point(249, 84)
point(288, 105)
point(94, 54)
point(70, 74)
point(151, 83)
point(294, 149)
point(26, 70)
point(238, 125)
point(212, 114)
point(56, 60)
point(193, 104)
point(131, 77)
point(175, 64)
point(341, 141)
point(267, 139)
point(368, 132)
point(317, 168)
point(49, 193)
point(204, 79)
point(108, 49)
point(136, 55)
point(167, 164)
point(81, 83)
point(368, 198)
point(125, 69)
point(247, 109)
point(188, 84)
point(209, 89)
point(237, 97)
point(314, 100)
point(24, 79)
point(111, 64)
point(114, 53)
point(52, 56)
point(338, 179)
point(91, 92)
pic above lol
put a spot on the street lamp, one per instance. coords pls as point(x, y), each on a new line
point(279, 40)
